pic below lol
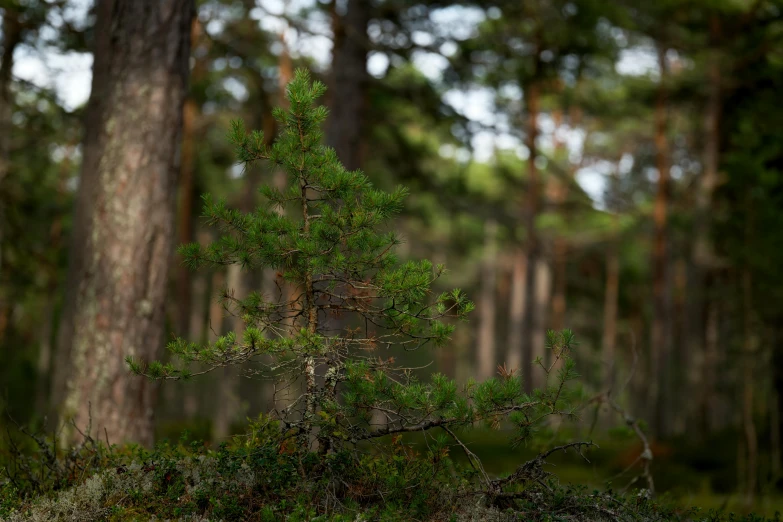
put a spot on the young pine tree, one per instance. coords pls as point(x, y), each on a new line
point(330, 245)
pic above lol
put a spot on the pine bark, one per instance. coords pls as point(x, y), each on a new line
point(124, 221)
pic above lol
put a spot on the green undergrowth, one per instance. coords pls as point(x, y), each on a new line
point(262, 476)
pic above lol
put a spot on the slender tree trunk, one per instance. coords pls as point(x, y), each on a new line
point(516, 315)
point(748, 384)
point(531, 239)
point(12, 36)
point(776, 419)
point(661, 322)
point(708, 394)
point(185, 221)
point(349, 83)
point(185, 233)
point(774, 437)
point(124, 221)
point(46, 349)
point(560, 190)
point(611, 293)
point(560, 287)
point(749, 354)
point(200, 300)
point(679, 370)
point(542, 303)
point(228, 378)
point(701, 349)
point(487, 309)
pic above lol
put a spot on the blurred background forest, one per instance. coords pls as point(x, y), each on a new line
point(612, 167)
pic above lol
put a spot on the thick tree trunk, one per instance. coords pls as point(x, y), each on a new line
point(487, 309)
point(124, 221)
point(349, 82)
point(661, 322)
point(531, 379)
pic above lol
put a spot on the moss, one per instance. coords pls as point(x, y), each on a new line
point(265, 480)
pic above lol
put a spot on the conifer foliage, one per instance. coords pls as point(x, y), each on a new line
point(326, 234)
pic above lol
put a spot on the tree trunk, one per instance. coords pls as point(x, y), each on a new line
point(531, 240)
point(187, 195)
point(611, 292)
point(185, 221)
point(228, 378)
point(12, 36)
point(560, 268)
point(748, 383)
point(124, 220)
point(349, 82)
point(661, 322)
point(708, 402)
point(486, 330)
point(517, 307)
point(559, 191)
point(698, 361)
point(542, 304)
point(46, 349)
point(774, 437)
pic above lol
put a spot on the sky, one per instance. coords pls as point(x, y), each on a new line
point(70, 74)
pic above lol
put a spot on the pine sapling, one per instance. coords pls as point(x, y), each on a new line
point(328, 233)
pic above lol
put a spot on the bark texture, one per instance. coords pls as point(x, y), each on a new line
point(124, 220)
